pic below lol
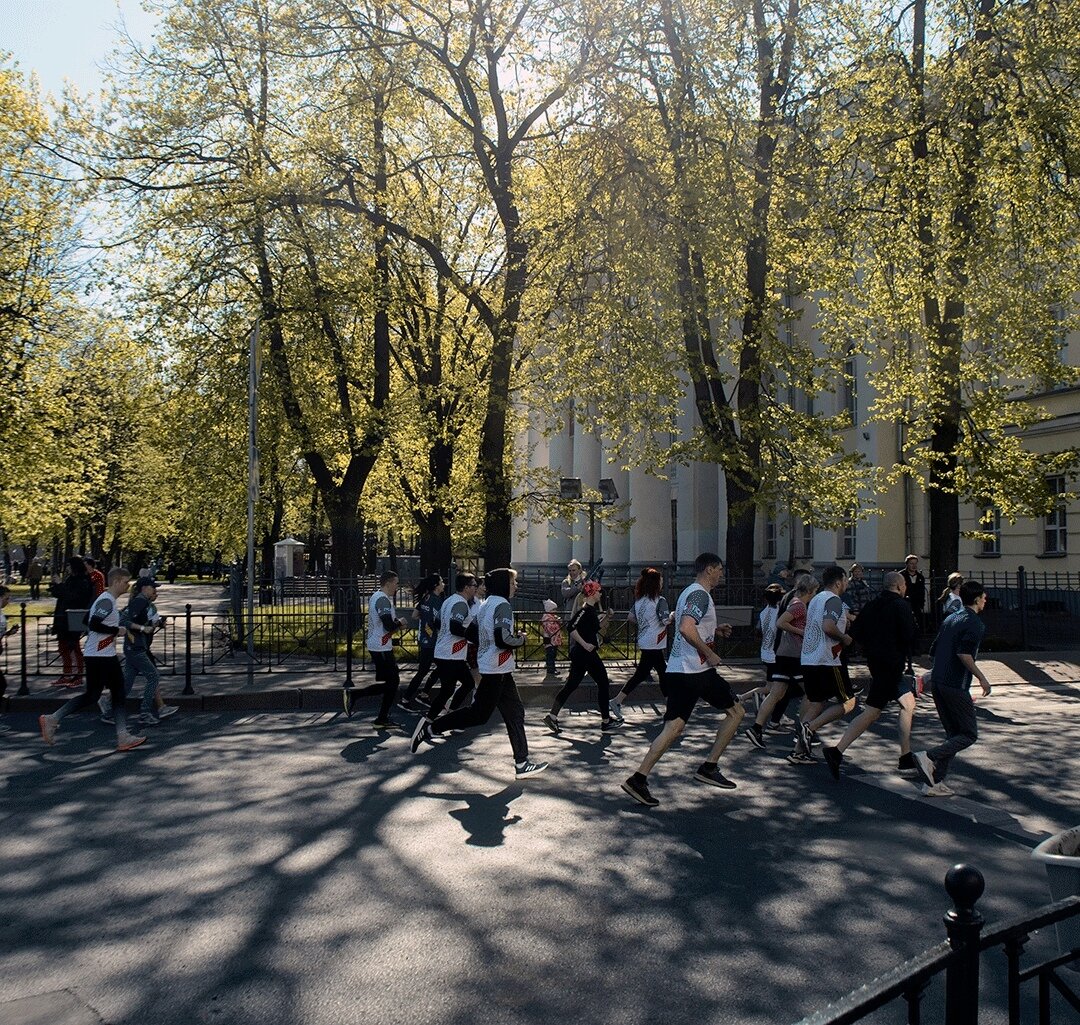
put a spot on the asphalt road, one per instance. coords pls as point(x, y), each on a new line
point(299, 869)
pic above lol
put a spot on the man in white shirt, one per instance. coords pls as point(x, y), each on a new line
point(691, 674)
point(383, 623)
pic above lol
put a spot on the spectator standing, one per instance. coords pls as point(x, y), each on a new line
point(572, 584)
point(955, 649)
point(97, 578)
point(551, 628)
point(5, 631)
point(33, 577)
point(74, 592)
point(950, 601)
point(170, 572)
point(915, 583)
point(858, 592)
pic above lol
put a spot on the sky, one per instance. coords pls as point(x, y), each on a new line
point(67, 39)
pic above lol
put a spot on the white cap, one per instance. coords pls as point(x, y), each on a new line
point(549, 605)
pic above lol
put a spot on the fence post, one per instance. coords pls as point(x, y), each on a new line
point(1021, 598)
point(348, 637)
point(964, 885)
point(188, 688)
point(23, 687)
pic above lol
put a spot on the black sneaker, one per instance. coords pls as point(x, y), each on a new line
point(639, 791)
point(388, 724)
point(611, 725)
point(777, 727)
point(800, 757)
point(529, 769)
point(753, 734)
point(421, 734)
point(615, 711)
point(552, 723)
point(907, 767)
point(712, 775)
point(833, 758)
point(411, 704)
point(346, 700)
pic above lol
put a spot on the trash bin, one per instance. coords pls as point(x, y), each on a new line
point(1060, 854)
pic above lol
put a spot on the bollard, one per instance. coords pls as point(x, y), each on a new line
point(188, 688)
point(964, 885)
point(24, 689)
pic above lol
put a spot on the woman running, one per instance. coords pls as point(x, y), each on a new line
point(652, 617)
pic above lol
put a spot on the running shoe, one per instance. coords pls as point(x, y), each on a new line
point(421, 734)
point(802, 731)
point(925, 767)
point(833, 758)
point(552, 723)
point(346, 700)
point(529, 769)
point(907, 768)
point(712, 775)
point(61, 681)
point(611, 725)
point(105, 704)
point(938, 790)
point(166, 710)
point(753, 734)
point(639, 791)
point(410, 703)
point(149, 719)
point(815, 740)
point(128, 741)
point(798, 757)
point(615, 711)
point(777, 727)
point(48, 726)
point(388, 724)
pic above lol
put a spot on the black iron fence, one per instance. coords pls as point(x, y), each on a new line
point(960, 957)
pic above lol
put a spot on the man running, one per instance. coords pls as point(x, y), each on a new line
point(955, 650)
point(495, 656)
point(886, 629)
point(102, 665)
point(691, 674)
point(383, 623)
point(451, 648)
point(828, 689)
point(652, 618)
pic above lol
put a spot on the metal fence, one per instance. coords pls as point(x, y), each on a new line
point(959, 959)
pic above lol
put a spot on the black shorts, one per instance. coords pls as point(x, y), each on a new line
point(788, 668)
point(386, 667)
point(685, 689)
point(826, 683)
point(888, 685)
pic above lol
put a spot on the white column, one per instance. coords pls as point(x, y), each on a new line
point(616, 544)
point(587, 463)
point(650, 505)
point(561, 462)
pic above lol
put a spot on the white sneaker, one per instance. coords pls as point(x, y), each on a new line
point(937, 790)
point(128, 741)
point(48, 726)
point(925, 767)
point(105, 704)
point(166, 710)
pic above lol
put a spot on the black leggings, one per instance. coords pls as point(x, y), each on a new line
point(585, 663)
point(496, 690)
point(100, 673)
point(387, 679)
point(427, 657)
point(649, 660)
point(452, 671)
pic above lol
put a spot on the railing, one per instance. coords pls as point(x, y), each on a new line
point(959, 958)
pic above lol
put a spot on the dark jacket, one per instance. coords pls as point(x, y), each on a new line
point(74, 592)
point(886, 629)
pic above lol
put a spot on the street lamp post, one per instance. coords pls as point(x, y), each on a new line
point(570, 490)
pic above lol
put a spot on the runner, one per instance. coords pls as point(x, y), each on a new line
point(787, 671)
point(886, 629)
point(495, 655)
point(585, 641)
point(451, 649)
point(955, 650)
point(828, 688)
point(691, 674)
point(383, 623)
point(652, 617)
point(102, 665)
point(428, 602)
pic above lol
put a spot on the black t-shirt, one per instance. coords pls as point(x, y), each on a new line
point(587, 624)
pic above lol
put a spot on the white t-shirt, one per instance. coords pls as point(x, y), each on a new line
point(377, 637)
point(652, 616)
point(697, 602)
point(98, 645)
point(448, 645)
point(818, 648)
point(767, 625)
point(490, 658)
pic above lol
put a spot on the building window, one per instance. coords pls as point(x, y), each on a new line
point(770, 535)
point(990, 526)
point(850, 389)
point(807, 550)
point(1054, 536)
point(847, 541)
